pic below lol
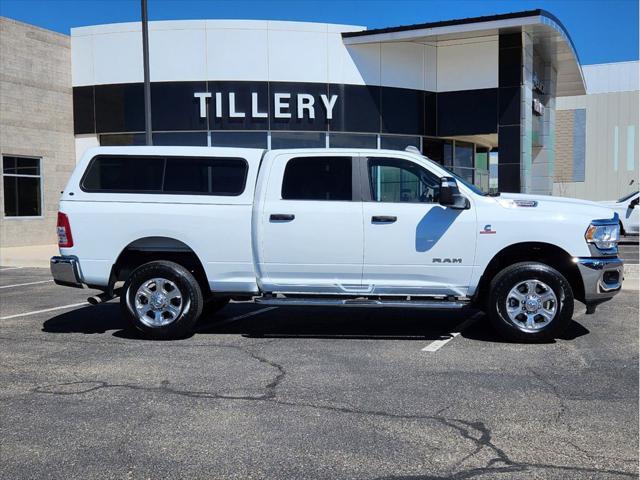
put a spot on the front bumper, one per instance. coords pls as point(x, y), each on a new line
point(601, 277)
point(66, 271)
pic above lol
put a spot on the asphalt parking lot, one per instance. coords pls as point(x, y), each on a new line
point(310, 393)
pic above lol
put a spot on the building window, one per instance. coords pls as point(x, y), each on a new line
point(463, 160)
point(298, 140)
point(317, 178)
point(239, 139)
point(22, 183)
point(399, 142)
point(353, 140)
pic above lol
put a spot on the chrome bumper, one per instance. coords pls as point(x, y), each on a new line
point(601, 277)
point(66, 271)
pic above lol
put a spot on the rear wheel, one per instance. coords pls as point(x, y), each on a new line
point(162, 300)
point(530, 301)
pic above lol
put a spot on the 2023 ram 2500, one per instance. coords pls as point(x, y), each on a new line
point(175, 230)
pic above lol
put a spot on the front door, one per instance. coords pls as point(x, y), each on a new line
point(311, 226)
point(413, 245)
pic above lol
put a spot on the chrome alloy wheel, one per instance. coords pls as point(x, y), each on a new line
point(158, 302)
point(532, 305)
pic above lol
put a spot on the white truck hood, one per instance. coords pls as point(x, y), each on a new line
point(556, 204)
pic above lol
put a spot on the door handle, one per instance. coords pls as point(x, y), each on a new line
point(281, 217)
point(383, 219)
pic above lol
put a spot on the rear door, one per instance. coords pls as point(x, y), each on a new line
point(413, 245)
point(311, 232)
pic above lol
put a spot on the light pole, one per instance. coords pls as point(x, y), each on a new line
point(147, 83)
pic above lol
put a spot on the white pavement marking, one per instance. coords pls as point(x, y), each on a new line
point(241, 317)
point(25, 284)
point(44, 311)
point(438, 344)
point(10, 268)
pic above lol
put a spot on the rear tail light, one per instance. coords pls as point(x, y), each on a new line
point(65, 240)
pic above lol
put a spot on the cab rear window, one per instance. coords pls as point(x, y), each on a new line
point(167, 175)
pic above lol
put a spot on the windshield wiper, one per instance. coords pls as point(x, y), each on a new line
point(492, 194)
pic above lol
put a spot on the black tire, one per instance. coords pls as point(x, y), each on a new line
point(189, 305)
point(503, 283)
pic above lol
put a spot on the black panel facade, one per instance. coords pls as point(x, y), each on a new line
point(357, 108)
point(402, 111)
point(467, 112)
point(510, 105)
point(83, 108)
point(174, 107)
point(119, 108)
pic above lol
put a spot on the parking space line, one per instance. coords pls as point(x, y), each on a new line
point(243, 316)
point(438, 344)
point(10, 268)
point(62, 307)
point(25, 284)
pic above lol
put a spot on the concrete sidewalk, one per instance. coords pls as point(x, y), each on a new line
point(32, 256)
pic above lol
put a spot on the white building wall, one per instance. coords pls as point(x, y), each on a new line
point(612, 150)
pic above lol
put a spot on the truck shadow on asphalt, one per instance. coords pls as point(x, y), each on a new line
point(296, 322)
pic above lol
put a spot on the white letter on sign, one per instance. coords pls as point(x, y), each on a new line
point(305, 102)
point(203, 102)
point(218, 105)
point(279, 104)
point(329, 104)
point(254, 107)
point(232, 107)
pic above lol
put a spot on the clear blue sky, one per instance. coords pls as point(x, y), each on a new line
point(603, 31)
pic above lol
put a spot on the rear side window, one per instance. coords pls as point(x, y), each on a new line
point(318, 178)
point(169, 175)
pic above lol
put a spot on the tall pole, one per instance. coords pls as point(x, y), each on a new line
point(147, 82)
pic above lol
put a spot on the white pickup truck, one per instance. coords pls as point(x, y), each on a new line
point(175, 230)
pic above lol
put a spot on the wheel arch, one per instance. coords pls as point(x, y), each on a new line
point(148, 249)
point(547, 253)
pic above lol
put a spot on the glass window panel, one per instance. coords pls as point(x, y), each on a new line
point(349, 140)
point(463, 162)
point(124, 174)
point(401, 181)
point(317, 178)
point(21, 165)
point(122, 139)
point(193, 139)
point(10, 196)
point(213, 176)
point(297, 140)
point(28, 196)
point(398, 142)
point(239, 139)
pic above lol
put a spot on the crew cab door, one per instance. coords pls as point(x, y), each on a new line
point(413, 245)
point(310, 230)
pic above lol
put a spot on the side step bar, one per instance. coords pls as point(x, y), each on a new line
point(358, 302)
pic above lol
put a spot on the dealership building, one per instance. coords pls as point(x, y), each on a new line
point(501, 100)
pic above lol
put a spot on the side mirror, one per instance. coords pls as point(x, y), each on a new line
point(634, 203)
point(450, 195)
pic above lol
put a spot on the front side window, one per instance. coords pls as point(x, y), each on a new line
point(318, 178)
point(170, 175)
point(401, 181)
point(21, 180)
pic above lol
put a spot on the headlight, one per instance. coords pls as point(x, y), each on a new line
point(605, 237)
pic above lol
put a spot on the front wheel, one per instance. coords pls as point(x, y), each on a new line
point(162, 300)
point(530, 301)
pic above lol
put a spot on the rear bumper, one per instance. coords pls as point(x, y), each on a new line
point(66, 271)
point(602, 278)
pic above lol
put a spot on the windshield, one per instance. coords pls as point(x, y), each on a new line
point(475, 189)
point(627, 197)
